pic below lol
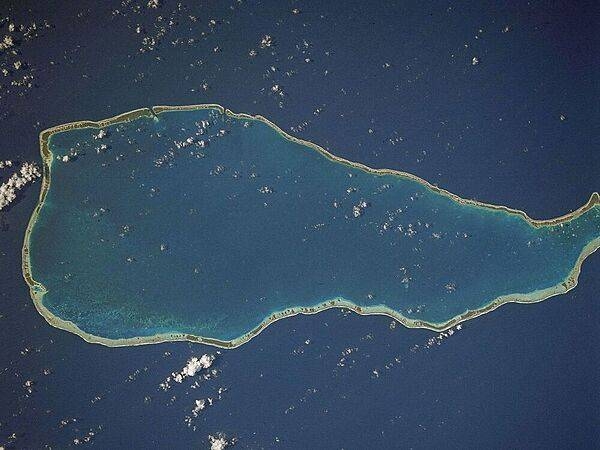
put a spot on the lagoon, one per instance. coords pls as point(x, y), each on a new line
point(196, 223)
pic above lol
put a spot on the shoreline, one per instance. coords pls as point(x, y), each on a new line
point(37, 289)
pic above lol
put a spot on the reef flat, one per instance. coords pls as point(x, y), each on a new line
point(196, 223)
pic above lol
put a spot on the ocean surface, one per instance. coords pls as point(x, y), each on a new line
point(391, 84)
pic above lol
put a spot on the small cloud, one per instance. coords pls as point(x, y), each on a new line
point(220, 441)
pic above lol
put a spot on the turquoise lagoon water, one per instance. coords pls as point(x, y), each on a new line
point(153, 234)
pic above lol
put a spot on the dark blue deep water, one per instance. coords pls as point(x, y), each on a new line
point(390, 84)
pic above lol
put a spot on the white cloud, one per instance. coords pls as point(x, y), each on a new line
point(27, 173)
point(193, 366)
point(220, 441)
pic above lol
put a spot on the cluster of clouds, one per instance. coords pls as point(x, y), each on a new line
point(7, 42)
point(357, 210)
point(26, 174)
point(192, 367)
point(101, 134)
point(16, 73)
point(88, 437)
point(220, 441)
point(437, 340)
point(200, 405)
point(196, 366)
point(203, 403)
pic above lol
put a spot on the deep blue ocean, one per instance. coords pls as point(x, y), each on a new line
point(492, 101)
